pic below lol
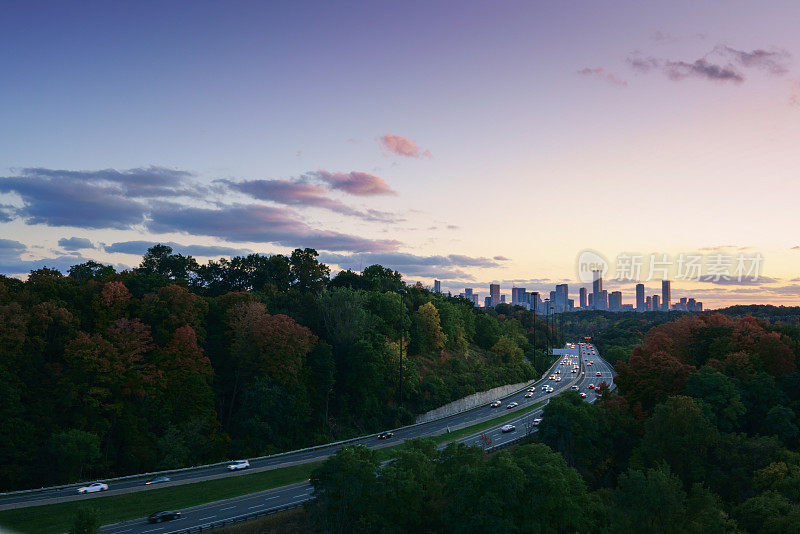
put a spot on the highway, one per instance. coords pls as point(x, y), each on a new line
point(301, 492)
point(48, 496)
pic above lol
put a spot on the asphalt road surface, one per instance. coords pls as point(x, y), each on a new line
point(300, 492)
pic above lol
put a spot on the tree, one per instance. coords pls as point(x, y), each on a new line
point(487, 331)
point(428, 336)
point(343, 489)
point(679, 434)
point(307, 274)
point(382, 279)
point(86, 521)
point(649, 501)
point(159, 260)
point(74, 450)
point(90, 270)
point(720, 394)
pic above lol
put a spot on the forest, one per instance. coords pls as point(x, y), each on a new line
point(176, 363)
point(701, 435)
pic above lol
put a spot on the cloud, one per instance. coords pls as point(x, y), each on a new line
point(355, 182)
point(775, 62)
point(796, 247)
point(257, 223)
point(11, 261)
point(75, 243)
point(303, 193)
point(453, 227)
point(717, 65)
point(402, 146)
point(794, 95)
point(680, 70)
point(601, 74)
point(70, 201)
point(140, 247)
point(441, 267)
point(501, 258)
point(733, 280)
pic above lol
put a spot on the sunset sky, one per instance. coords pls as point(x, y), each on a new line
point(473, 142)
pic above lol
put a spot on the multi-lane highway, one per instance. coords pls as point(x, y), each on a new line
point(300, 492)
point(438, 426)
point(293, 494)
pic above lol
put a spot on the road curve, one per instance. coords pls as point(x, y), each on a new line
point(301, 492)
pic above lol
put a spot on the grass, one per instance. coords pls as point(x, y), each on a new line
point(57, 518)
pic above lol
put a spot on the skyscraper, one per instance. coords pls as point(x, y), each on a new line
point(665, 294)
point(656, 303)
point(518, 295)
point(494, 294)
point(648, 304)
point(599, 302)
point(437, 286)
point(640, 303)
point(597, 284)
point(468, 293)
point(562, 297)
point(582, 298)
point(615, 301)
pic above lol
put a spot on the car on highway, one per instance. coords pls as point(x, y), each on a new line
point(507, 428)
point(583, 395)
point(574, 371)
point(512, 405)
point(576, 387)
point(591, 362)
point(537, 421)
point(92, 488)
point(238, 464)
point(590, 386)
point(528, 395)
point(164, 515)
point(385, 435)
point(495, 404)
point(157, 480)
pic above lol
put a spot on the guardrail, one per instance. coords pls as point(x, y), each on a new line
point(257, 459)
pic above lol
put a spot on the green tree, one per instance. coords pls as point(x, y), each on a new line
point(307, 274)
point(86, 521)
point(428, 335)
point(720, 394)
point(74, 450)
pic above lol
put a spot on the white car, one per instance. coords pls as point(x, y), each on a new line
point(528, 395)
point(507, 428)
point(537, 421)
point(91, 488)
point(576, 387)
point(238, 464)
point(512, 405)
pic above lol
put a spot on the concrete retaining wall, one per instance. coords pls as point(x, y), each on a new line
point(476, 399)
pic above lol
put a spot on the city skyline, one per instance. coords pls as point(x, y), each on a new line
point(273, 126)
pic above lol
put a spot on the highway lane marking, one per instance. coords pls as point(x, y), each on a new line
point(153, 530)
point(256, 506)
point(228, 508)
point(209, 517)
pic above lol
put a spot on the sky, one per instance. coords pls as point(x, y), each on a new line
point(470, 142)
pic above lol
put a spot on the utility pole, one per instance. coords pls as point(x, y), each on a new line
point(402, 293)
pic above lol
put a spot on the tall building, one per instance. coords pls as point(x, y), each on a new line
point(487, 302)
point(503, 299)
point(535, 301)
point(591, 301)
point(656, 303)
point(615, 301)
point(597, 284)
point(648, 304)
point(468, 293)
point(665, 294)
point(518, 295)
point(562, 297)
point(640, 302)
point(582, 298)
point(601, 300)
point(437, 286)
point(494, 294)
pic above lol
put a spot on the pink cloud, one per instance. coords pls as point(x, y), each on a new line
point(355, 182)
point(794, 96)
point(602, 74)
point(402, 146)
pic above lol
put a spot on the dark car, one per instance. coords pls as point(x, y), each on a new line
point(157, 480)
point(158, 517)
point(385, 435)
